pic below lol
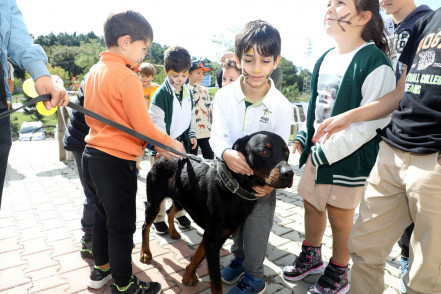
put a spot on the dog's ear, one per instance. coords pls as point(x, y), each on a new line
point(241, 145)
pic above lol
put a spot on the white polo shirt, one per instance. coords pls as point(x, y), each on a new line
point(233, 120)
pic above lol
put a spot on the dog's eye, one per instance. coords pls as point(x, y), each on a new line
point(264, 152)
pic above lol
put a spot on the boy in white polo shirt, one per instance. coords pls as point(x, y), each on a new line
point(251, 104)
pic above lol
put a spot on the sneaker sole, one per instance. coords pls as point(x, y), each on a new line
point(316, 270)
point(263, 290)
point(98, 284)
point(341, 291)
point(235, 280)
point(182, 227)
point(161, 233)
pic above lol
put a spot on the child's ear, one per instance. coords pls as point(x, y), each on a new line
point(239, 65)
point(124, 41)
point(364, 17)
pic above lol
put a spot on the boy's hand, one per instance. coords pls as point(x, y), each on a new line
point(194, 143)
point(262, 190)
point(237, 162)
point(167, 154)
point(297, 147)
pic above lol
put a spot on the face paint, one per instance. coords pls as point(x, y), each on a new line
point(341, 20)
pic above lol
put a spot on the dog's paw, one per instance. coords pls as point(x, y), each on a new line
point(189, 279)
point(146, 258)
point(174, 235)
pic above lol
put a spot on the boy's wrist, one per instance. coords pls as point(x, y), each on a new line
point(222, 154)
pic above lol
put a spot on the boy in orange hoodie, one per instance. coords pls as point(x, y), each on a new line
point(114, 90)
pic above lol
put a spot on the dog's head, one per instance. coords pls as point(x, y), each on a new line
point(267, 154)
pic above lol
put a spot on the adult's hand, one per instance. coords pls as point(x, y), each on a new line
point(45, 85)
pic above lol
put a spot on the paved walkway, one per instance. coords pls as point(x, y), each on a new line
point(40, 233)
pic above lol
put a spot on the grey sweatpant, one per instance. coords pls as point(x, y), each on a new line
point(251, 240)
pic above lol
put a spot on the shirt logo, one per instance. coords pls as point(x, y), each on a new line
point(265, 119)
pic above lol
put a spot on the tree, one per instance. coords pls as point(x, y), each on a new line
point(88, 55)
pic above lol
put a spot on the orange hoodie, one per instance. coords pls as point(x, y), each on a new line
point(114, 91)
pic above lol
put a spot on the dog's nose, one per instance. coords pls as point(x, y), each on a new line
point(286, 172)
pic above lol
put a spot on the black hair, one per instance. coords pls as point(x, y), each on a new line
point(374, 28)
point(126, 23)
point(177, 58)
point(259, 33)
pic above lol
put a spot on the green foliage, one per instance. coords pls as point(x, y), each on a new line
point(59, 71)
point(18, 118)
point(156, 54)
point(88, 55)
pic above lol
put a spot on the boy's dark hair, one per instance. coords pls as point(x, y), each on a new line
point(177, 58)
point(374, 29)
point(260, 33)
point(147, 69)
point(126, 23)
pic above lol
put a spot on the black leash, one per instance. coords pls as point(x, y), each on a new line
point(107, 121)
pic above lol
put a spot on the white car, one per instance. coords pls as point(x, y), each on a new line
point(32, 131)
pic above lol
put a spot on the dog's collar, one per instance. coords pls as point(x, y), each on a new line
point(231, 183)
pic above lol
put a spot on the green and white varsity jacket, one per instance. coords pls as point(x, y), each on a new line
point(172, 116)
point(347, 157)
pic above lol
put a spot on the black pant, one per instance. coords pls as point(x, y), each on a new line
point(405, 241)
point(113, 183)
point(5, 146)
point(207, 153)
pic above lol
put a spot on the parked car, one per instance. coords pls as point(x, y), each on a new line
point(32, 131)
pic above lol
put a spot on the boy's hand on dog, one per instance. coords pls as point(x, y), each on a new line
point(167, 154)
point(194, 143)
point(262, 190)
point(297, 147)
point(237, 162)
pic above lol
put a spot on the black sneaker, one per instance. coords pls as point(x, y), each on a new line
point(183, 222)
point(138, 287)
point(161, 228)
point(86, 246)
point(99, 278)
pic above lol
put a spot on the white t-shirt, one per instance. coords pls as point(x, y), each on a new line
point(331, 73)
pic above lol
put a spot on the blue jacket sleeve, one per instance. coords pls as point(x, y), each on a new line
point(21, 49)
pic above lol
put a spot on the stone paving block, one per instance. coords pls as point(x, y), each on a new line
point(9, 244)
point(13, 277)
point(77, 280)
point(70, 261)
point(64, 246)
point(49, 284)
point(17, 290)
point(11, 259)
point(51, 214)
point(155, 275)
point(34, 246)
point(43, 273)
point(57, 234)
point(180, 249)
point(177, 278)
point(39, 260)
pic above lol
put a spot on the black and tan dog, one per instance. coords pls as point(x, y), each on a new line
point(216, 198)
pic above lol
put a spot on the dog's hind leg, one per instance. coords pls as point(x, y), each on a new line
point(154, 197)
point(171, 224)
point(190, 278)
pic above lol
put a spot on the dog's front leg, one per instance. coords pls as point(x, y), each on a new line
point(146, 254)
point(190, 278)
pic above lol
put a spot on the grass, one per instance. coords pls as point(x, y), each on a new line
point(17, 118)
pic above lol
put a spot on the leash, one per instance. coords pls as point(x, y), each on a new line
point(94, 115)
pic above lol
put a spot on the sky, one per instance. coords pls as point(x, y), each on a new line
point(194, 24)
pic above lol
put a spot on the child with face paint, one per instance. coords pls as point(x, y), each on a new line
point(171, 110)
point(348, 76)
point(251, 104)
